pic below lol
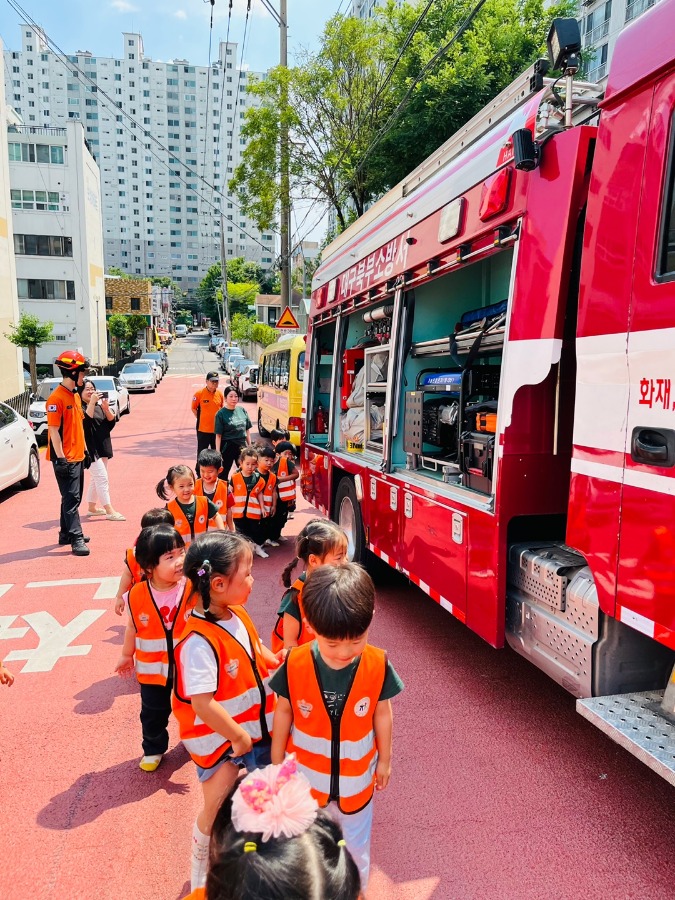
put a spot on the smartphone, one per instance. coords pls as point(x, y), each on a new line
point(103, 395)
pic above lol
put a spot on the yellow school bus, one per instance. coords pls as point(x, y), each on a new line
point(281, 374)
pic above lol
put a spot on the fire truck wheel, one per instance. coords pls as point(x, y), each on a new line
point(263, 432)
point(348, 516)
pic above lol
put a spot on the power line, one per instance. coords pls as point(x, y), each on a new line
point(62, 57)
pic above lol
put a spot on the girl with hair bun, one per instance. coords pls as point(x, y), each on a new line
point(222, 699)
point(270, 840)
point(320, 543)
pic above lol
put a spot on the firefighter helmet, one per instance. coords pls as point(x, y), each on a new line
point(70, 362)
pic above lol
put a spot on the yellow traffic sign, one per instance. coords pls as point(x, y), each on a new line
point(287, 320)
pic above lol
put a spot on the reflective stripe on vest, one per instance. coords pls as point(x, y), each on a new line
point(246, 503)
point(219, 498)
point(268, 492)
point(181, 524)
point(242, 690)
point(154, 642)
point(286, 488)
point(338, 755)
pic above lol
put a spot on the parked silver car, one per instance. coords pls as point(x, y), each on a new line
point(139, 376)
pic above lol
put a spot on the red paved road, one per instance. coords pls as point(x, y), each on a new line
point(499, 789)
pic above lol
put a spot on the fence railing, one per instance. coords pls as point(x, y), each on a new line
point(20, 403)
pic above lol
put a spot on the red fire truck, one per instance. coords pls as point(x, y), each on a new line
point(489, 400)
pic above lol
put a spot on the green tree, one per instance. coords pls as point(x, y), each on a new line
point(136, 324)
point(264, 334)
point(31, 333)
point(336, 104)
point(120, 273)
point(504, 39)
point(119, 331)
point(242, 296)
point(183, 317)
point(242, 326)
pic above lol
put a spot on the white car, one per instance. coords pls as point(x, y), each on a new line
point(157, 366)
point(19, 457)
point(118, 395)
point(181, 330)
point(139, 376)
point(248, 382)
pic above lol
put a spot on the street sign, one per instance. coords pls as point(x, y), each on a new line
point(287, 320)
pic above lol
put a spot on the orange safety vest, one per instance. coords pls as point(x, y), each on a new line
point(338, 755)
point(268, 492)
point(197, 894)
point(155, 643)
point(219, 498)
point(243, 690)
point(304, 635)
point(243, 508)
point(286, 488)
point(181, 524)
point(137, 574)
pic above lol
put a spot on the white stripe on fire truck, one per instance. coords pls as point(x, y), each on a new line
point(422, 585)
point(659, 484)
point(646, 626)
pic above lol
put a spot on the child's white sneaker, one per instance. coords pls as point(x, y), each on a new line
point(270, 543)
point(258, 550)
point(282, 539)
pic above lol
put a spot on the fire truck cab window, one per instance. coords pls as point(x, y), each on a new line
point(323, 343)
point(667, 255)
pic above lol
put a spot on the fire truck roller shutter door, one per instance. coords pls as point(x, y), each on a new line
point(347, 514)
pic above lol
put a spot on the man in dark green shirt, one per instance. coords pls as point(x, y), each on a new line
point(233, 430)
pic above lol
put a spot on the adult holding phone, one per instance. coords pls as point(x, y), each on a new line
point(99, 421)
point(65, 447)
point(233, 430)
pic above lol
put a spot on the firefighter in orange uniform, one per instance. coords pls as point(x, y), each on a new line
point(66, 447)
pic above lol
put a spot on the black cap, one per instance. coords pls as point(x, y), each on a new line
point(212, 376)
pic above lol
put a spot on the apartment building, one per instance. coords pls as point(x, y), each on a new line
point(365, 9)
point(11, 377)
point(601, 23)
point(162, 169)
point(55, 195)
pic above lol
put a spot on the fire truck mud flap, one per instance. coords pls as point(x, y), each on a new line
point(631, 720)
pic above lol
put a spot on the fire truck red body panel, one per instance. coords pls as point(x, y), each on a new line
point(567, 408)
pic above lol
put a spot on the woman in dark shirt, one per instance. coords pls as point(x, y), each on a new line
point(99, 421)
point(233, 430)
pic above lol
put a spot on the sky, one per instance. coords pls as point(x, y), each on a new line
point(177, 29)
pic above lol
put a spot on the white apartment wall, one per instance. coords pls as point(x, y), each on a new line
point(138, 199)
point(79, 322)
point(11, 377)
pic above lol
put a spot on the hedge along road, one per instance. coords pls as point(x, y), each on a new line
point(499, 789)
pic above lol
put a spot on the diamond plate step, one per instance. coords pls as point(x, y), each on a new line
point(628, 720)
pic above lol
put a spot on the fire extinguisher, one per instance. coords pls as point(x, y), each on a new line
point(319, 425)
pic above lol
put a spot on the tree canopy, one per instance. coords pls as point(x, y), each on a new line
point(358, 118)
point(31, 333)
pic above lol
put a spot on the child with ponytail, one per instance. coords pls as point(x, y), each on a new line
point(320, 543)
point(222, 701)
point(271, 840)
point(192, 514)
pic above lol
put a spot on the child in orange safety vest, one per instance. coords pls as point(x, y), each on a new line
point(320, 543)
point(287, 476)
point(132, 572)
point(248, 510)
point(222, 700)
point(159, 608)
point(192, 514)
point(212, 487)
point(266, 458)
point(333, 707)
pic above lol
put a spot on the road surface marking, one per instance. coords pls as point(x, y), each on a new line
point(7, 633)
point(54, 639)
point(4, 588)
point(107, 586)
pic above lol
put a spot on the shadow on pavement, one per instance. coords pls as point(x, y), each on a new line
point(96, 792)
point(184, 891)
point(34, 553)
point(100, 696)
point(44, 525)
point(117, 638)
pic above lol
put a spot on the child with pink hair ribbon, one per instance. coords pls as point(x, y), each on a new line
point(271, 840)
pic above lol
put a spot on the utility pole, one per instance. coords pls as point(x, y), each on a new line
point(223, 276)
point(286, 289)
